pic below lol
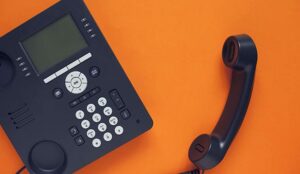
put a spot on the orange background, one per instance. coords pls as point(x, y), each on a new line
point(171, 51)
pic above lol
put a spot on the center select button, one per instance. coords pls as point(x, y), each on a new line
point(68, 67)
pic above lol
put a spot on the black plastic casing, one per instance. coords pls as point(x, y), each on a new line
point(49, 118)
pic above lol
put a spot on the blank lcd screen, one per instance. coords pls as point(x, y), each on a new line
point(55, 43)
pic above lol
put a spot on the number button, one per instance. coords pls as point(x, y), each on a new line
point(96, 118)
point(85, 124)
point(107, 111)
point(107, 136)
point(119, 130)
point(96, 143)
point(91, 133)
point(113, 121)
point(102, 101)
point(102, 127)
point(91, 108)
point(79, 114)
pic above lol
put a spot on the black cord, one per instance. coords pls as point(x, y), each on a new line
point(21, 170)
point(196, 171)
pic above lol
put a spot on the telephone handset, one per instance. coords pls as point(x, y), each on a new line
point(239, 54)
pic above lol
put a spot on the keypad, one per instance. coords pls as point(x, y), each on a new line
point(99, 121)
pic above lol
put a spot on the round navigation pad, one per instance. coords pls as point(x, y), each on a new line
point(47, 157)
point(76, 82)
point(7, 70)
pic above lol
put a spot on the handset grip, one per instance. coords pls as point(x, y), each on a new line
point(239, 54)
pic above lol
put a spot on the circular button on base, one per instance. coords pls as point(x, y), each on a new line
point(47, 157)
point(76, 82)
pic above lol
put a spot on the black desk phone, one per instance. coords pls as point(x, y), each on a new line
point(65, 100)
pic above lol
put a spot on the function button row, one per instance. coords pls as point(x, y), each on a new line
point(117, 100)
point(84, 97)
point(67, 68)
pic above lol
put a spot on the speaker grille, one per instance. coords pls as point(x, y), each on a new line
point(21, 116)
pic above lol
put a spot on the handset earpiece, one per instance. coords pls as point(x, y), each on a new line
point(239, 54)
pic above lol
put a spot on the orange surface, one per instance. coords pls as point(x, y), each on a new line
point(171, 51)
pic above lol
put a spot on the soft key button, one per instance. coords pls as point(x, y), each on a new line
point(50, 78)
point(85, 57)
point(73, 64)
point(62, 71)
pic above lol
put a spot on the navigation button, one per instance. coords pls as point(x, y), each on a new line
point(69, 87)
point(83, 78)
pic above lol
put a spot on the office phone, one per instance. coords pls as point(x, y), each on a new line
point(65, 100)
